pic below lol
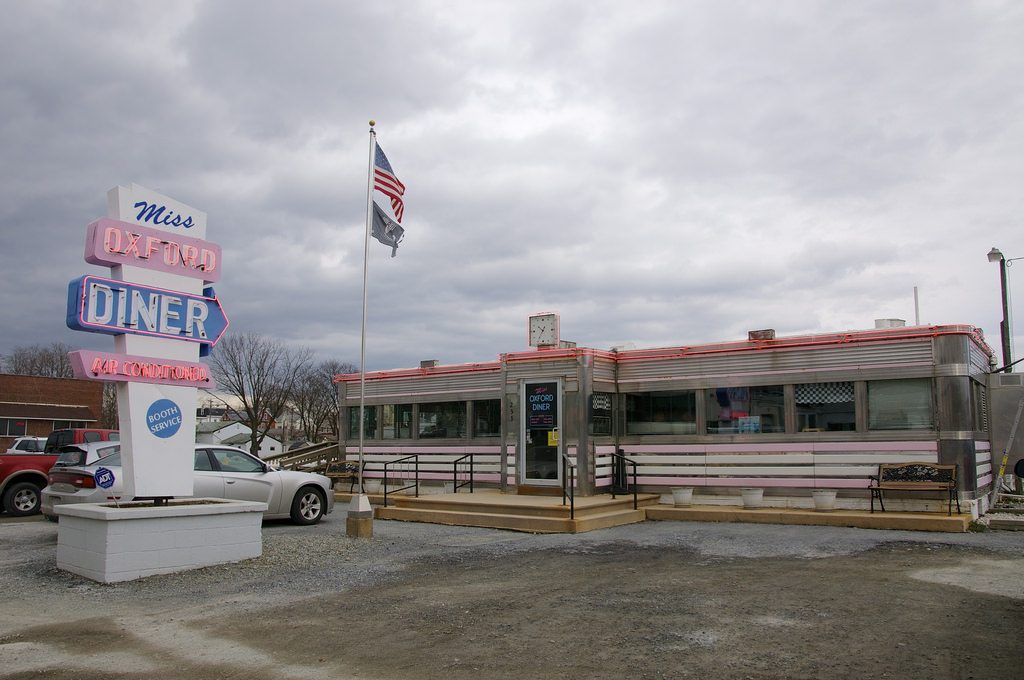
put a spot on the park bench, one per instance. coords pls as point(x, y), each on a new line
point(343, 471)
point(914, 477)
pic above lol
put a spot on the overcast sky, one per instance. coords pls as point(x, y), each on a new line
point(658, 173)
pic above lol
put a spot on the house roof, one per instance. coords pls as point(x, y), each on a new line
point(243, 438)
point(206, 428)
point(46, 412)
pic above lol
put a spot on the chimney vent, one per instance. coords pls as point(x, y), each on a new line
point(429, 363)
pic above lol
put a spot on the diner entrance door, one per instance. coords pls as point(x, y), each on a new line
point(539, 462)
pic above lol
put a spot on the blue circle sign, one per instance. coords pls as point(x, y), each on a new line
point(104, 478)
point(164, 418)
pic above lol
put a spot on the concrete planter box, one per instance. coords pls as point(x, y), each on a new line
point(108, 544)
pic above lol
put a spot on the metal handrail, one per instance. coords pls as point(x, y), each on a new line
point(416, 480)
point(455, 473)
point(619, 470)
point(569, 475)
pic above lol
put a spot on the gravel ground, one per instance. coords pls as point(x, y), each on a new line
point(653, 600)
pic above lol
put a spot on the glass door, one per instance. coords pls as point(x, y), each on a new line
point(540, 435)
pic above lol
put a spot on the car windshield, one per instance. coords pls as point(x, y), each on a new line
point(113, 459)
point(70, 456)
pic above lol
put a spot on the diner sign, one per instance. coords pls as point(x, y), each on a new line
point(542, 404)
point(114, 243)
point(128, 368)
point(114, 307)
point(162, 318)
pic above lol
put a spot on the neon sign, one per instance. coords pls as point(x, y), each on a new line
point(114, 243)
point(111, 367)
point(115, 307)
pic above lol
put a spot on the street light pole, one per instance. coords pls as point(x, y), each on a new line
point(995, 255)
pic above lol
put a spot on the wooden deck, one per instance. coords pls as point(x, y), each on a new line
point(547, 514)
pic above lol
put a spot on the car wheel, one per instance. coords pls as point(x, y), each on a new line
point(22, 499)
point(308, 506)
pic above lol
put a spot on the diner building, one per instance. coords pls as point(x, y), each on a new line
point(785, 414)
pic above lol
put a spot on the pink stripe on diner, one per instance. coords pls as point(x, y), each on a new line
point(447, 477)
point(854, 447)
point(762, 482)
point(427, 450)
point(983, 446)
point(672, 481)
point(984, 481)
point(662, 448)
point(760, 448)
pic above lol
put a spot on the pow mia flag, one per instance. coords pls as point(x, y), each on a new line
point(386, 230)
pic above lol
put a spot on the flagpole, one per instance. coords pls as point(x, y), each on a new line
point(362, 341)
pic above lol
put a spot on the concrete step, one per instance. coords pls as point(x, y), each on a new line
point(490, 520)
point(493, 503)
point(1007, 523)
point(609, 519)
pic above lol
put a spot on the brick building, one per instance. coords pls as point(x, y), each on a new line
point(32, 405)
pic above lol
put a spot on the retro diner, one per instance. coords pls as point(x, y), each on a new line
point(786, 414)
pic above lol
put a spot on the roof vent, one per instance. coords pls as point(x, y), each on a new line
point(429, 363)
point(763, 334)
point(890, 323)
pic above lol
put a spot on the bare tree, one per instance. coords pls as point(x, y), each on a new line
point(330, 369)
point(261, 375)
point(316, 400)
point(108, 417)
point(50, 361)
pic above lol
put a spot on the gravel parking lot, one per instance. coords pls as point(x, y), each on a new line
point(660, 599)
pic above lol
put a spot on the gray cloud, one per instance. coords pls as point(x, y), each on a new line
point(657, 173)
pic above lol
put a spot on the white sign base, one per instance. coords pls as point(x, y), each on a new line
point(109, 544)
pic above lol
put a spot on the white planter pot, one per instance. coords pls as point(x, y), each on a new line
point(682, 496)
point(824, 499)
point(752, 498)
point(371, 486)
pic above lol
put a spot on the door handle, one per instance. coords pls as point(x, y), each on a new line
point(229, 481)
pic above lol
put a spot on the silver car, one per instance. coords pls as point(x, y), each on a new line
point(220, 472)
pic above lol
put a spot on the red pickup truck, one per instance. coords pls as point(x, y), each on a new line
point(23, 475)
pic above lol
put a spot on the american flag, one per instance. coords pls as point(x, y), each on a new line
point(384, 180)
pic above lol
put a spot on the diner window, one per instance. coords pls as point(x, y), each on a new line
point(487, 418)
point(12, 427)
point(396, 420)
point(369, 422)
point(825, 407)
point(442, 420)
point(900, 404)
point(745, 410)
point(662, 413)
point(600, 414)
